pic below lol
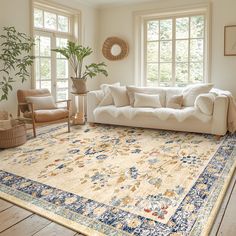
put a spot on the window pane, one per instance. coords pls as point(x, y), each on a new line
point(181, 73)
point(62, 68)
point(152, 73)
point(45, 69)
point(38, 18)
point(152, 30)
point(62, 84)
point(197, 26)
point(196, 50)
point(182, 28)
point(62, 94)
point(165, 51)
point(165, 73)
point(196, 72)
point(181, 50)
point(37, 68)
point(166, 29)
point(36, 46)
point(45, 46)
point(63, 23)
point(60, 43)
point(46, 84)
point(152, 52)
point(50, 20)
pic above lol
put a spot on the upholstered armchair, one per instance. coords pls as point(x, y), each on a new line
point(36, 106)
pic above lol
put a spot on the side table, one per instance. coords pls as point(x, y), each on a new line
point(79, 117)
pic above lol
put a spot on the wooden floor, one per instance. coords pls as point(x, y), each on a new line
point(15, 221)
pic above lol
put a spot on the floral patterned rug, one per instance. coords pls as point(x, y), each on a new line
point(110, 180)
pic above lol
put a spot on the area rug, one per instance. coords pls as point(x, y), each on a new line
point(110, 180)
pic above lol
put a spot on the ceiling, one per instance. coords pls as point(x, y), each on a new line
point(104, 3)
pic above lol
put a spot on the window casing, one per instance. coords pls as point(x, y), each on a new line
point(52, 28)
point(171, 49)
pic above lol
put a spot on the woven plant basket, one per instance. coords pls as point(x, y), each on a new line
point(13, 137)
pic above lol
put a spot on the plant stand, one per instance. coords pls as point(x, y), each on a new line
point(79, 117)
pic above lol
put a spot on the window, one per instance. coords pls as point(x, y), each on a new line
point(172, 46)
point(175, 49)
point(52, 29)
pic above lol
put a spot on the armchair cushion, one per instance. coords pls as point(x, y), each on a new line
point(42, 103)
point(48, 115)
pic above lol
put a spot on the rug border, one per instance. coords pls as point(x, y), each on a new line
point(78, 228)
point(212, 217)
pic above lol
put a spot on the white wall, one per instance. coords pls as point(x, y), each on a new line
point(17, 13)
point(119, 22)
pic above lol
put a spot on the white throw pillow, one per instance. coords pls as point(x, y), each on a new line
point(175, 102)
point(107, 99)
point(191, 92)
point(205, 103)
point(42, 103)
point(131, 90)
point(119, 95)
point(147, 100)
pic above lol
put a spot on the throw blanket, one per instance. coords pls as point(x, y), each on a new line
point(231, 109)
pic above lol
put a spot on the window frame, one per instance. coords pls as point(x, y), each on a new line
point(140, 40)
point(74, 25)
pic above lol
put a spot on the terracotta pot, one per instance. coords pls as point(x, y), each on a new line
point(79, 85)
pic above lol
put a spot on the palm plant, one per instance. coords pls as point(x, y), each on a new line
point(75, 54)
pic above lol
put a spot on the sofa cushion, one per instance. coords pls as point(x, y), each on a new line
point(120, 96)
point(147, 100)
point(191, 92)
point(205, 103)
point(107, 99)
point(175, 102)
point(41, 103)
point(131, 90)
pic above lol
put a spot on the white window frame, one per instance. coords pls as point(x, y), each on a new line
point(74, 17)
point(140, 19)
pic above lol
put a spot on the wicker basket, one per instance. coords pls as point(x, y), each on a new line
point(13, 137)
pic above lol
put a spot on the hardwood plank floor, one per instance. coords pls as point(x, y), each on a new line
point(15, 221)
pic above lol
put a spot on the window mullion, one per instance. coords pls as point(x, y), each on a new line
point(53, 67)
point(173, 51)
point(189, 37)
point(159, 54)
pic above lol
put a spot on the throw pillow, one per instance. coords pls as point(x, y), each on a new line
point(119, 95)
point(131, 90)
point(191, 92)
point(107, 99)
point(147, 100)
point(205, 103)
point(42, 103)
point(175, 102)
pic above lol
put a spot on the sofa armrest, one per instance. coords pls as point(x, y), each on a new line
point(220, 114)
point(93, 99)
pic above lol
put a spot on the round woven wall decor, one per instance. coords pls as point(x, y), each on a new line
point(115, 42)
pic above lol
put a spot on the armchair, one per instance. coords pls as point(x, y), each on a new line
point(36, 107)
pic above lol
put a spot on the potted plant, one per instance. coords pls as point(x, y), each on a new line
point(15, 59)
point(75, 54)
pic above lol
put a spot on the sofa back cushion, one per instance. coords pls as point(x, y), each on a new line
point(120, 96)
point(191, 92)
point(147, 100)
point(107, 99)
point(131, 90)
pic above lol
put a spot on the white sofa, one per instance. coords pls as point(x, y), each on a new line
point(188, 118)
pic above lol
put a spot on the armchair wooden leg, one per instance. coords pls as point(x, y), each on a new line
point(68, 124)
point(34, 129)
